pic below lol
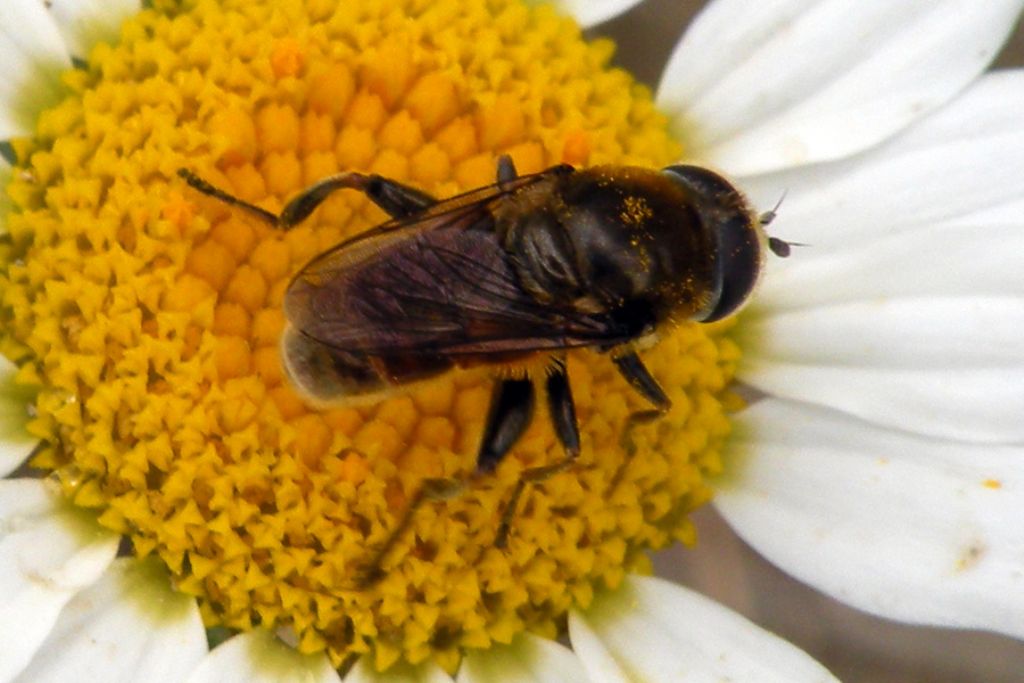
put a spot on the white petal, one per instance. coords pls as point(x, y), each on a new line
point(529, 659)
point(949, 368)
point(960, 164)
point(768, 85)
point(49, 551)
point(259, 657)
point(654, 630)
point(591, 12)
point(128, 626)
point(363, 672)
point(912, 333)
point(15, 441)
point(83, 23)
point(33, 54)
point(910, 528)
point(947, 261)
point(906, 309)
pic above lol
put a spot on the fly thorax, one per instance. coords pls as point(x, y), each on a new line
point(640, 244)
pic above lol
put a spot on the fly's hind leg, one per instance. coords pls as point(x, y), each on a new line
point(430, 490)
point(563, 416)
point(396, 199)
point(508, 417)
point(639, 377)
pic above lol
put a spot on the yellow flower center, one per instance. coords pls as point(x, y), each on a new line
point(148, 318)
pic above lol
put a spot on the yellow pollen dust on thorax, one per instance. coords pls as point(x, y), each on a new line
point(635, 211)
point(148, 317)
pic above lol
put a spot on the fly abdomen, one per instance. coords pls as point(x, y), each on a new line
point(326, 374)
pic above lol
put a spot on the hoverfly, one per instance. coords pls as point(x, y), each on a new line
point(542, 263)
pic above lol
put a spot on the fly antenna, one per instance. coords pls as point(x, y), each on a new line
point(781, 247)
point(768, 216)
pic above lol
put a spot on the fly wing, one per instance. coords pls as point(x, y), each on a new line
point(440, 284)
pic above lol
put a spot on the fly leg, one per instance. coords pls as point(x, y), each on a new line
point(506, 169)
point(397, 200)
point(509, 415)
point(507, 418)
point(200, 185)
point(639, 377)
point(563, 416)
point(430, 490)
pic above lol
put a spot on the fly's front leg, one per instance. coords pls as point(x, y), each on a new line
point(563, 417)
point(639, 377)
point(396, 199)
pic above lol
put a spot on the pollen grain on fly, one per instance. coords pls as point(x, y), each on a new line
point(636, 210)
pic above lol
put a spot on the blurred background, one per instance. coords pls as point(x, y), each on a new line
point(856, 647)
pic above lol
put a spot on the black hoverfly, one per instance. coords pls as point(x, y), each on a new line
point(598, 257)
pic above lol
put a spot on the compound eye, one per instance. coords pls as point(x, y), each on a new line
point(738, 254)
point(702, 182)
point(737, 266)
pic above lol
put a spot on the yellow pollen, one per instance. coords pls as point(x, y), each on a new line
point(635, 211)
point(147, 317)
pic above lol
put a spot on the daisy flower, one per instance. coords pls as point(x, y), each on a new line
point(191, 498)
